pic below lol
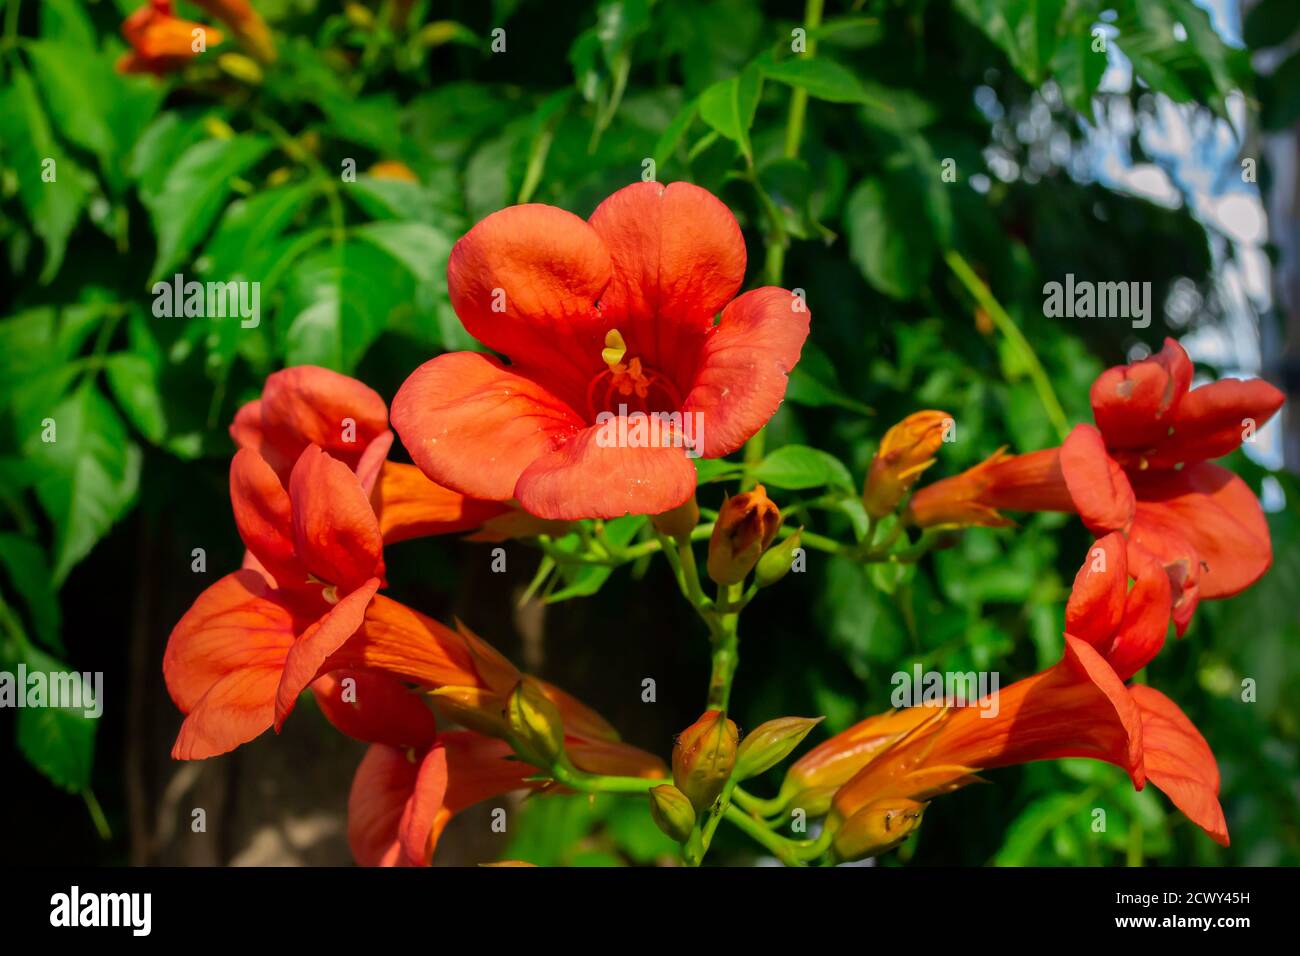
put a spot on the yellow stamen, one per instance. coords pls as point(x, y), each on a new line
point(614, 350)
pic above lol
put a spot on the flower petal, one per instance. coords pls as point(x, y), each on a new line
point(236, 709)
point(473, 425)
point(416, 829)
point(745, 365)
point(678, 257)
point(1180, 762)
point(1078, 708)
point(1146, 615)
point(1098, 486)
point(1217, 514)
point(307, 405)
point(402, 641)
point(525, 282)
point(381, 787)
point(1134, 405)
point(264, 516)
point(409, 505)
point(594, 476)
point(336, 533)
point(1096, 605)
point(317, 643)
point(235, 624)
point(1212, 420)
point(375, 707)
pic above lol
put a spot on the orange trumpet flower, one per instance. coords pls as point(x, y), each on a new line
point(1080, 707)
point(609, 325)
point(1143, 470)
point(162, 42)
point(307, 405)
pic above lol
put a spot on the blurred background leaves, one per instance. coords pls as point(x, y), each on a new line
point(339, 177)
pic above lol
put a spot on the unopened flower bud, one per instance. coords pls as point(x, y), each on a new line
point(703, 757)
point(876, 828)
point(672, 812)
point(745, 527)
point(536, 729)
point(770, 743)
point(777, 560)
point(904, 453)
point(679, 522)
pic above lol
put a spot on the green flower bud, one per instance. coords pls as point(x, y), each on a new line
point(771, 742)
point(672, 812)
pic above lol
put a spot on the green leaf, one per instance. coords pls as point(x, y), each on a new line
point(24, 562)
point(729, 106)
point(1026, 30)
point(797, 467)
point(1028, 831)
point(248, 226)
point(30, 148)
point(57, 741)
point(789, 185)
point(823, 79)
point(193, 193)
point(813, 383)
point(67, 22)
point(1078, 68)
point(134, 382)
point(666, 145)
point(338, 299)
point(91, 473)
point(586, 580)
point(888, 237)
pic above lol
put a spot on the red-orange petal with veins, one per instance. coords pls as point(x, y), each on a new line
point(744, 367)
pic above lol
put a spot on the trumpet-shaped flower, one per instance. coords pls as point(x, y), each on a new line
point(1143, 470)
point(618, 368)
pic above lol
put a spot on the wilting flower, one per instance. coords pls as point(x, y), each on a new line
point(747, 523)
point(1143, 470)
point(608, 325)
point(1081, 707)
point(306, 405)
point(161, 41)
point(905, 452)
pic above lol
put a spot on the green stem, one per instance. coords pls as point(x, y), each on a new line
point(779, 846)
point(598, 783)
point(726, 650)
point(1007, 326)
point(812, 19)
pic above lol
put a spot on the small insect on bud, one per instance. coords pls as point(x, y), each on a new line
point(746, 525)
point(703, 757)
point(904, 453)
point(876, 828)
point(672, 812)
